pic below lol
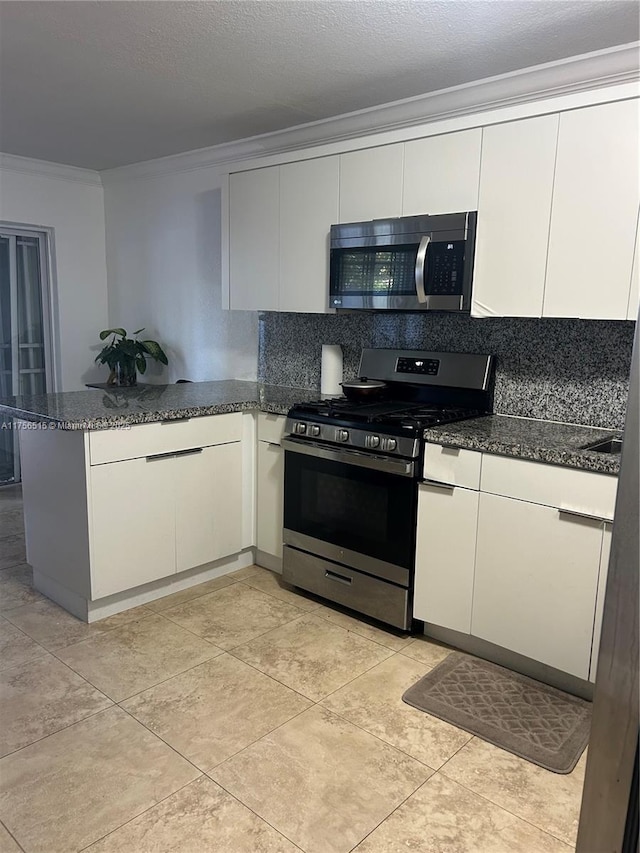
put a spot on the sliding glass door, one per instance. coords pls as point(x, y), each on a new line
point(25, 331)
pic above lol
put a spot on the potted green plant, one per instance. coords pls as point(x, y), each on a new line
point(126, 357)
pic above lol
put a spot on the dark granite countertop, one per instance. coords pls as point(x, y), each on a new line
point(102, 409)
point(538, 441)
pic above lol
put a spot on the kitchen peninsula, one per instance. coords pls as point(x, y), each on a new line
point(131, 494)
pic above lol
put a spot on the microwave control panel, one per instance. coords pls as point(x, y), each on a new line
point(445, 266)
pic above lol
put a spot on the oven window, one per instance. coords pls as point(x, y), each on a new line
point(328, 498)
point(374, 271)
point(366, 511)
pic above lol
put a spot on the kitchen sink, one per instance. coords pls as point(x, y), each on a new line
point(610, 445)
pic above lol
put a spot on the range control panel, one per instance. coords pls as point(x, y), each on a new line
point(420, 366)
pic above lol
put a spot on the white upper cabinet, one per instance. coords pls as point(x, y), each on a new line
point(371, 183)
point(514, 208)
point(634, 296)
point(557, 198)
point(594, 213)
point(441, 173)
point(308, 207)
point(254, 233)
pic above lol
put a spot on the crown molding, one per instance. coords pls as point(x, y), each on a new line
point(46, 169)
point(604, 68)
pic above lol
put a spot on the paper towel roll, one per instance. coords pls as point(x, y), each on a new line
point(331, 369)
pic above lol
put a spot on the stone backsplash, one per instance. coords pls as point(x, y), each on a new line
point(574, 371)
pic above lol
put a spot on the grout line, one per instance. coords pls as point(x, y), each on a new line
point(124, 699)
point(189, 600)
point(62, 729)
point(471, 737)
point(168, 678)
point(257, 740)
point(12, 836)
point(244, 642)
point(504, 808)
point(381, 739)
point(493, 802)
point(24, 634)
point(135, 817)
point(160, 738)
point(259, 816)
point(393, 811)
point(272, 678)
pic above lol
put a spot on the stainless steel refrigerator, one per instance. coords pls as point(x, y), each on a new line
point(609, 815)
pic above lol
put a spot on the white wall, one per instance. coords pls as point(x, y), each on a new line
point(74, 209)
point(163, 262)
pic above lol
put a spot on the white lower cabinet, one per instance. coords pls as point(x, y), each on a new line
point(132, 508)
point(521, 563)
point(602, 588)
point(208, 505)
point(536, 577)
point(445, 551)
point(156, 515)
point(270, 488)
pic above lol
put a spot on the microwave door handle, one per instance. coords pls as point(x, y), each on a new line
point(421, 268)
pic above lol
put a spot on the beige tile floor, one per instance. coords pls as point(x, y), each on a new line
point(242, 717)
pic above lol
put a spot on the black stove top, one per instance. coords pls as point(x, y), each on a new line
point(411, 417)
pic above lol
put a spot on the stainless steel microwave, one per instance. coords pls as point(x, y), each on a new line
point(412, 263)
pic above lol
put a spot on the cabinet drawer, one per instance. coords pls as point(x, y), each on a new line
point(563, 488)
point(271, 427)
point(115, 445)
point(452, 465)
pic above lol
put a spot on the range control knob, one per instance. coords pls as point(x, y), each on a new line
point(372, 441)
point(342, 435)
point(300, 428)
point(315, 430)
point(390, 444)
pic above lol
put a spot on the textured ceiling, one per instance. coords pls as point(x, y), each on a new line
point(102, 84)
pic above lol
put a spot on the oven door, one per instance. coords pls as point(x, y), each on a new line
point(350, 507)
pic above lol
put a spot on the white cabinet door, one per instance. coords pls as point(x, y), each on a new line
point(270, 498)
point(254, 233)
point(634, 295)
point(445, 555)
point(371, 183)
point(208, 516)
point(441, 173)
point(535, 582)
point(602, 587)
point(595, 209)
point(514, 209)
point(132, 517)
point(308, 207)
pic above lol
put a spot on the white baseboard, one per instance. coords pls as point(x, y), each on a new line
point(92, 611)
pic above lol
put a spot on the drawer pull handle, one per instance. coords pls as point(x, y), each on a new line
point(191, 452)
point(575, 514)
point(159, 456)
point(174, 420)
point(333, 576)
point(436, 484)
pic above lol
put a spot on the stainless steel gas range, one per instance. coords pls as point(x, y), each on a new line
point(351, 477)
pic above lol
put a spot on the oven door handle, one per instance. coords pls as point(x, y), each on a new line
point(399, 467)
